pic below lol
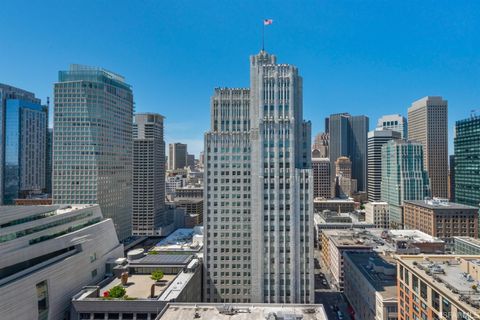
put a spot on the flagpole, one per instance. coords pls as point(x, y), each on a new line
point(263, 36)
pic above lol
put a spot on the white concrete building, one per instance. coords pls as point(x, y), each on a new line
point(48, 254)
point(377, 213)
point(259, 231)
point(394, 122)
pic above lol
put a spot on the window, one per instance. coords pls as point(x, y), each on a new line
point(42, 300)
point(94, 273)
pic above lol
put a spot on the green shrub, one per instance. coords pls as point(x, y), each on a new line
point(157, 275)
point(117, 292)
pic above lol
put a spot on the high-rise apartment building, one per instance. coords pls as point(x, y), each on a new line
point(148, 173)
point(394, 122)
point(259, 190)
point(92, 149)
point(348, 137)
point(23, 144)
point(376, 139)
point(177, 156)
point(438, 287)
point(403, 177)
point(427, 124)
point(467, 161)
point(322, 185)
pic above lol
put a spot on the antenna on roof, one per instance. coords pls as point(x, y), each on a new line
point(473, 113)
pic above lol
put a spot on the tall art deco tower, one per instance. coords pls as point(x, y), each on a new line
point(259, 190)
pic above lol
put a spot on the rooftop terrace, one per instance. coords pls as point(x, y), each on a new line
point(139, 286)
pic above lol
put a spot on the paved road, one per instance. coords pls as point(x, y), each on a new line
point(331, 299)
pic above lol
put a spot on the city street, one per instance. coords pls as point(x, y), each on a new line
point(332, 300)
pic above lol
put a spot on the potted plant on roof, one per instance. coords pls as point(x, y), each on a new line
point(157, 276)
point(117, 292)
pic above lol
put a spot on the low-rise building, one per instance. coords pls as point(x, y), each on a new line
point(377, 213)
point(438, 287)
point(144, 297)
point(371, 285)
point(48, 253)
point(240, 311)
point(334, 243)
point(193, 210)
point(466, 245)
point(337, 205)
point(189, 192)
point(184, 240)
point(441, 218)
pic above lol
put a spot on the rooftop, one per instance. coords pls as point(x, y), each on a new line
point(454, 275)
point(214, 311)
point(470, 240)
point(10, 213)
point(440, 204)
point(336, 200)
point(139, 285)
point(184, 239)
point(379, 271)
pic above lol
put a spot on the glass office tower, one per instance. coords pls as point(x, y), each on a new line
point(467, 161)
point(23, 138)
point(92, 143)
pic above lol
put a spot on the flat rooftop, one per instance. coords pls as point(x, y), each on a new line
point(184, 239)
point(440, 205)
point(323, 200)
point(213, 311)
point(453, 274)
point(380, 271)
point(415, 236)
point(139, 285)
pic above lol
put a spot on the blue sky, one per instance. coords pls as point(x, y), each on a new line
point(364, 57)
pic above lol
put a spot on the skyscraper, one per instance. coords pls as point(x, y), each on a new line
point(403, 177)
point(322, 184)
point(345, 186)
point(394, 122)
point(320, 145)
point(427, 124)
point(177, 156)
point(92, 149)
point(148, 174)
point(376, 139)
point(259, 225)
point(23, 144)
point(467, 161)
point(49, 164)
point(348, 137)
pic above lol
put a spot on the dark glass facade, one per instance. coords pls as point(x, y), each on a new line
point(24, 148)
point(467, 161)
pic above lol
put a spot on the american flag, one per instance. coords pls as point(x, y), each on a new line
point(267, 22)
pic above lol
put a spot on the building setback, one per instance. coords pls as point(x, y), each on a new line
point(403, 177)
point(442, 219)
point(259, 232)
point(376, 139)
point(23, 144)
point(92, 143)
point(148, 174)
point(348, 137)
point(467, 161)
point(427, 124)
point(394, 122)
